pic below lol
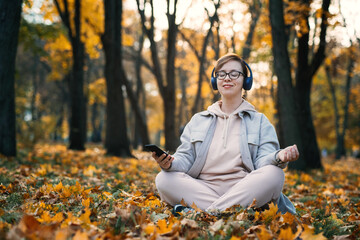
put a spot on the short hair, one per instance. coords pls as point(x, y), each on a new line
point(231, 57)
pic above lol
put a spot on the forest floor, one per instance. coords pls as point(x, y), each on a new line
point(54, 193)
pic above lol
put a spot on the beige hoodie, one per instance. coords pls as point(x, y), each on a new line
point(223, 160)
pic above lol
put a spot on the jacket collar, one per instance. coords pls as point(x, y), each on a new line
point(241, 114)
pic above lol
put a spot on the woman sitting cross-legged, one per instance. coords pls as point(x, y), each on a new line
point(229, 154)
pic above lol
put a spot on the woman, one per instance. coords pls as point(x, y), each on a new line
point(229, 155)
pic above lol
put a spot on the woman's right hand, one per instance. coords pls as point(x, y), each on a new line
point(163, 161)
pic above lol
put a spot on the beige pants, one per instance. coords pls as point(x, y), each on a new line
point(264, 184)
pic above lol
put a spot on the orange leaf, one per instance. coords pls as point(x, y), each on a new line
point(193, 205)
point(85, 217)
point(308, 233)
point(271, 212)
point(149, 229)
point(59, 217)
point(90, 170)
point(264, 234)
point(288, 218)
point(287, 234)
point(29, 224)
point(182, 202)
point(235, 238)
point(61, 234)
point(59, 187)
point(163, 227)
point(86, 202)
point(80, 236)
point(45, 217)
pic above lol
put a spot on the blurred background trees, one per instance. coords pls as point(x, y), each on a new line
point(74, 86)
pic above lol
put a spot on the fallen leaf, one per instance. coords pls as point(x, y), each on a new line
point(308, 233)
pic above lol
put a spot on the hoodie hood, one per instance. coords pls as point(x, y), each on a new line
point(245, 106)
point(227, 118)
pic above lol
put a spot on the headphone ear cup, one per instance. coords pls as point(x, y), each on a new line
point(248, 80)
point(213, 80)
point(214, 83)
point(247, 83)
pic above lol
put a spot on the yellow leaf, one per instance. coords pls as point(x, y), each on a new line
point(65, 193)
point(264, 234)
point(288, 218)
point(334, 216)
point(257, 216)
point(59, 217)
point(42, 171)
point(85, 217)
point(271, 212)
point(86, 203)
point(80, 236)
point(59, 187)
point(89, 171)
point(74, 170)
point(235, 238)
point(61, 234)
point(137, 194)
point(308, 233)
point(163, 227)
point(286, 234)
point(339, 192)
point(193, 205)
point(305, 177)
point(153, 203)
point(45, 217)
point(149, 229)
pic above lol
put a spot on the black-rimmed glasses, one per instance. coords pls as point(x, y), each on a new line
point(233, 75)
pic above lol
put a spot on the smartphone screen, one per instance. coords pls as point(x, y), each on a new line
point(153, 148)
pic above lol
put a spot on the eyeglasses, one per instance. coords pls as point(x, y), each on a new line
point(233, 75)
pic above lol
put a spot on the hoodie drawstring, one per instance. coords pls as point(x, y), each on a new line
point(225, 131)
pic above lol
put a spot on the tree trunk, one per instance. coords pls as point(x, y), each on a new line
point(171, 131)
point(9, 31)
point(340, 147)
point(183, 112)
point(138, 113)
point(65, 106)
point(214, 18)
point(116, 141)
point(286, 101)
point(166, 89)
point(77, 127)
point(76, 85)
point(255, 10)
point(295, 114)
point(140, 95)
point(35, 88)
point(336, 110)
point(96, 134)
point(310, 147)
point(304, 73)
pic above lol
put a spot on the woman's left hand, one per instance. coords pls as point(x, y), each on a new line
point(289, 154)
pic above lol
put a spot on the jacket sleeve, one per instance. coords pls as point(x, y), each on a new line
point(268, 145)
point(184, 156)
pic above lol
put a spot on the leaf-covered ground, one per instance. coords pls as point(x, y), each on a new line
point(54, 193)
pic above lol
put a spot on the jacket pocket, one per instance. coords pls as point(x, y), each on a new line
point(253, 143)
point(197, 137)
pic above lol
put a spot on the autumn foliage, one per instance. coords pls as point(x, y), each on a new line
point(54, 193)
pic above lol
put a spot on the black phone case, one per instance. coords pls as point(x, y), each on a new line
point(153, 148)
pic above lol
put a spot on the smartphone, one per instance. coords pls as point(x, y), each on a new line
point(153, 148)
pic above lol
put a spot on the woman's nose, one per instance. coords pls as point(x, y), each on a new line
point(227, 78)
